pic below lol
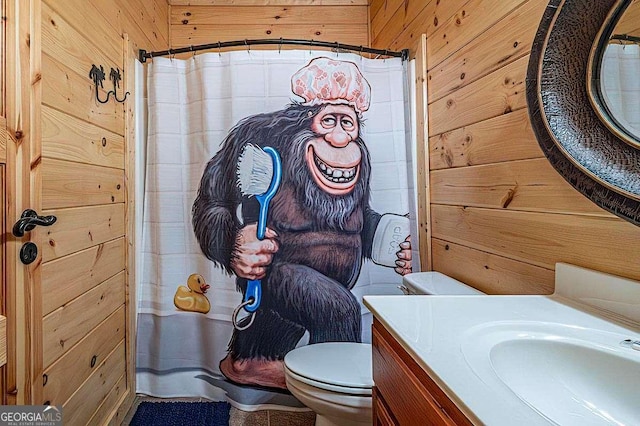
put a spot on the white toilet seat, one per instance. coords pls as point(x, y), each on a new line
point(329, 386)
point(344, 367)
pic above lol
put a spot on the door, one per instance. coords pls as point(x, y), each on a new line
point(69, 162)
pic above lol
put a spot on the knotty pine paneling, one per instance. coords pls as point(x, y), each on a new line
point(132, 17)
point(68, 91)
point(375, 6)
point(146, 21)
point(68, 138)
point(62, 41)
point(69, 184)
point(203, 34)
point(630, 22)
point(384, 14)
point(422, 154)
point(511, 38)
point(269, 2)
point(152, 17)
point(529, 185)
point(498, 93)
point(111, 400)
point(403, 29)
point(489, 272)
point(84, 19)
point(484, 142)
point(68, 277)
point(4, 136)
point(80, 228)
point(69, 324)
point(465, 25)
point(542, 239)
point(104, 379)
point(269, 15)
point(66, 375)
point(481, 147)
point(191, 25)
point(3, 340)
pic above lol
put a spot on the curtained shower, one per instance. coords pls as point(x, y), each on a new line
point(217, 126)
point(620, 84)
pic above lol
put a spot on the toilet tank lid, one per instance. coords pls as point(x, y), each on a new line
point(338, 363)
point(436, 283)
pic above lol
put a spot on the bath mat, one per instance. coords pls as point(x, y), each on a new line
point(181, 414)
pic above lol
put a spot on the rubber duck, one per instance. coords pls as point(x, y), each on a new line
point(191, 298)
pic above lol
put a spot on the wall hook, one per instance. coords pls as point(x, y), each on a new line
point(115, 76)
point(97, 75)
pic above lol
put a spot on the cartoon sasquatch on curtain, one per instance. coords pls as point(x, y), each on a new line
point(319, 229)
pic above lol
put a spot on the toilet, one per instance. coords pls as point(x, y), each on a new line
point(335, 379)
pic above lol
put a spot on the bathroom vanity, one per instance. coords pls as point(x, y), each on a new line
point(404, 393)
point(572, 358)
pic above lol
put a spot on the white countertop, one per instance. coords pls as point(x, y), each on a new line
point(435, 329)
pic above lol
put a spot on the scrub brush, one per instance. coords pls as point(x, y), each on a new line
point(259, 174)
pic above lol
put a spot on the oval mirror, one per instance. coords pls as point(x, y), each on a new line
point(596, 155)
point(615, 82)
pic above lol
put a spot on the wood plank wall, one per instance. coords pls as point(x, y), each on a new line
point(203, 22)
point(87, 357)
point(501, 217)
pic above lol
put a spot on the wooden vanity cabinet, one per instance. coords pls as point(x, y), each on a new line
point(404, 394)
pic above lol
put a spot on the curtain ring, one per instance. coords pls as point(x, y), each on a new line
point(337, 49)
point(310, 45)
point(219, 50)
point(236, 311)
point(248, 47)
point(280, 46)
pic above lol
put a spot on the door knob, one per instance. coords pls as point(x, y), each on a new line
point(30, 220)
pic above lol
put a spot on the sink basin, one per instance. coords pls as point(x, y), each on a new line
point(569, 375)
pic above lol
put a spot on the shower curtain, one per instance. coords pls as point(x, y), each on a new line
point(621, 85)
point(241, 156)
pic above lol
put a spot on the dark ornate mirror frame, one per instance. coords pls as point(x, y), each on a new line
point(571, 133)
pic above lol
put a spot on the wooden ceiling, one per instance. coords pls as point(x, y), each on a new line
point(269, 2)
point(629, 24)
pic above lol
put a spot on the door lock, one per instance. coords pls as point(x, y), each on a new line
point(28, 253)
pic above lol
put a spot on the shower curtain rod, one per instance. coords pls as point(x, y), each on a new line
point(143, 54)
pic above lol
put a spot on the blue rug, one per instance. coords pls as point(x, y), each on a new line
point(181, 414)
